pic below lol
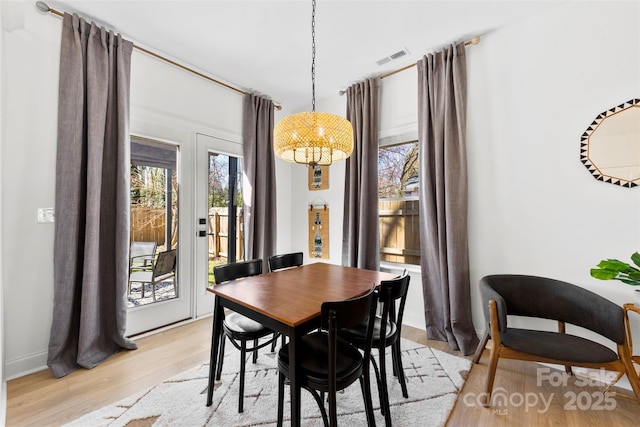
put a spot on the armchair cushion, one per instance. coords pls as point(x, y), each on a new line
point(557, 346)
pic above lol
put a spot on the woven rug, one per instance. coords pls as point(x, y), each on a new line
point(434, 379)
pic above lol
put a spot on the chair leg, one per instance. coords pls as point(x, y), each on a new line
point(280, 398)
point(333, 411)
point(223, 339)
point(319, 397)
point(378, 381)
point(255, 352)
point(396, 354)
point(243, 361)
point(483, 343)
point(384, 395)
point(491, 374)
point(394, 359)
point(365, 385)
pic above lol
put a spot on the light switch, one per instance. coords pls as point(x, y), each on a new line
point(46, 215)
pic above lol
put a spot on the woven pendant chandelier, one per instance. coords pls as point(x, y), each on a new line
point(311, 138)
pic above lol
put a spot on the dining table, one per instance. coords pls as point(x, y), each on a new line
point(289, 302)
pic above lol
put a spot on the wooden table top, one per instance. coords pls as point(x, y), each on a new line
point(295, 296)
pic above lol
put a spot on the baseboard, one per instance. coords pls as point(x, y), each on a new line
point(25, 365)
point(413, 320)
point(3, 404)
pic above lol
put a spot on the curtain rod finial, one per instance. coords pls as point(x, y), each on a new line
point(42, 6)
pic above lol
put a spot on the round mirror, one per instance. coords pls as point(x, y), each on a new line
point(610, 147)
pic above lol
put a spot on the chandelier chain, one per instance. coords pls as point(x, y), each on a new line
point(313, 56)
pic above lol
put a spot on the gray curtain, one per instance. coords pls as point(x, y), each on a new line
point(259, 186)
point(360, 233)
point(442, 103)
point(92, 198)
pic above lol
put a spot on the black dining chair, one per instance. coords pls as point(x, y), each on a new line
point(328, 364)
point(282, 261)
point(387, 330)
point(237, 328)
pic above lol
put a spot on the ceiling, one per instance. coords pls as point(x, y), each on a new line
point(265, 45)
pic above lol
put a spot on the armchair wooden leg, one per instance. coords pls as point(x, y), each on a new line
point(496, 345)
point(491, 374)
point(562, 330)
point(481, 346)
point(632, 375)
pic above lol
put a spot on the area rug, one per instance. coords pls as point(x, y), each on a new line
point(434, 379)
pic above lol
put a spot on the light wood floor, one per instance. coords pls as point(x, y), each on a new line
point(41, 400)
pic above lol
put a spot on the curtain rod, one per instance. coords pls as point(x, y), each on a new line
point(43, 7)
point(473, 41)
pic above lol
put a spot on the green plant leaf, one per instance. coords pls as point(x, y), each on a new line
point(636, 258)
point(613, 264)
point(635, 275)
point(603, 274)
point(631, 282)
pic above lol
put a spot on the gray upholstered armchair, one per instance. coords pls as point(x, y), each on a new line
point(545, 298)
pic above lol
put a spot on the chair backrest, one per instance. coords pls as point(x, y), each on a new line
point(390, 292)
point(142, 248)
point(344, 314)
point(541, 297)
point(397, 271)
point(278, 262)
point(165, 264)
point(236, 270)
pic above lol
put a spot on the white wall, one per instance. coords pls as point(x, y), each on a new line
point(533, 89)
point(3, 383)
point(166, 103)
point(30, 68)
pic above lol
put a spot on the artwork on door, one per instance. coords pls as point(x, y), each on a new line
point(318, 177)
point(319, 232)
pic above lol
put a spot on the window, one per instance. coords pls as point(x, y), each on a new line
point(226, 236)
point(398, 203)
point(154, 217)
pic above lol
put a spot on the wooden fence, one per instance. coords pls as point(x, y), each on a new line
point(218, 234)
point(148, 224)
point(399, 231)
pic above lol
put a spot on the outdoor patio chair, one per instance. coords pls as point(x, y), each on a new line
point(164, 268)
point(142, 255)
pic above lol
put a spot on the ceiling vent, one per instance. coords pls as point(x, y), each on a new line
point(393, 56)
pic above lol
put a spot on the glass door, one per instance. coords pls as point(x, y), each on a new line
point(156, 295)
point(219, 212)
